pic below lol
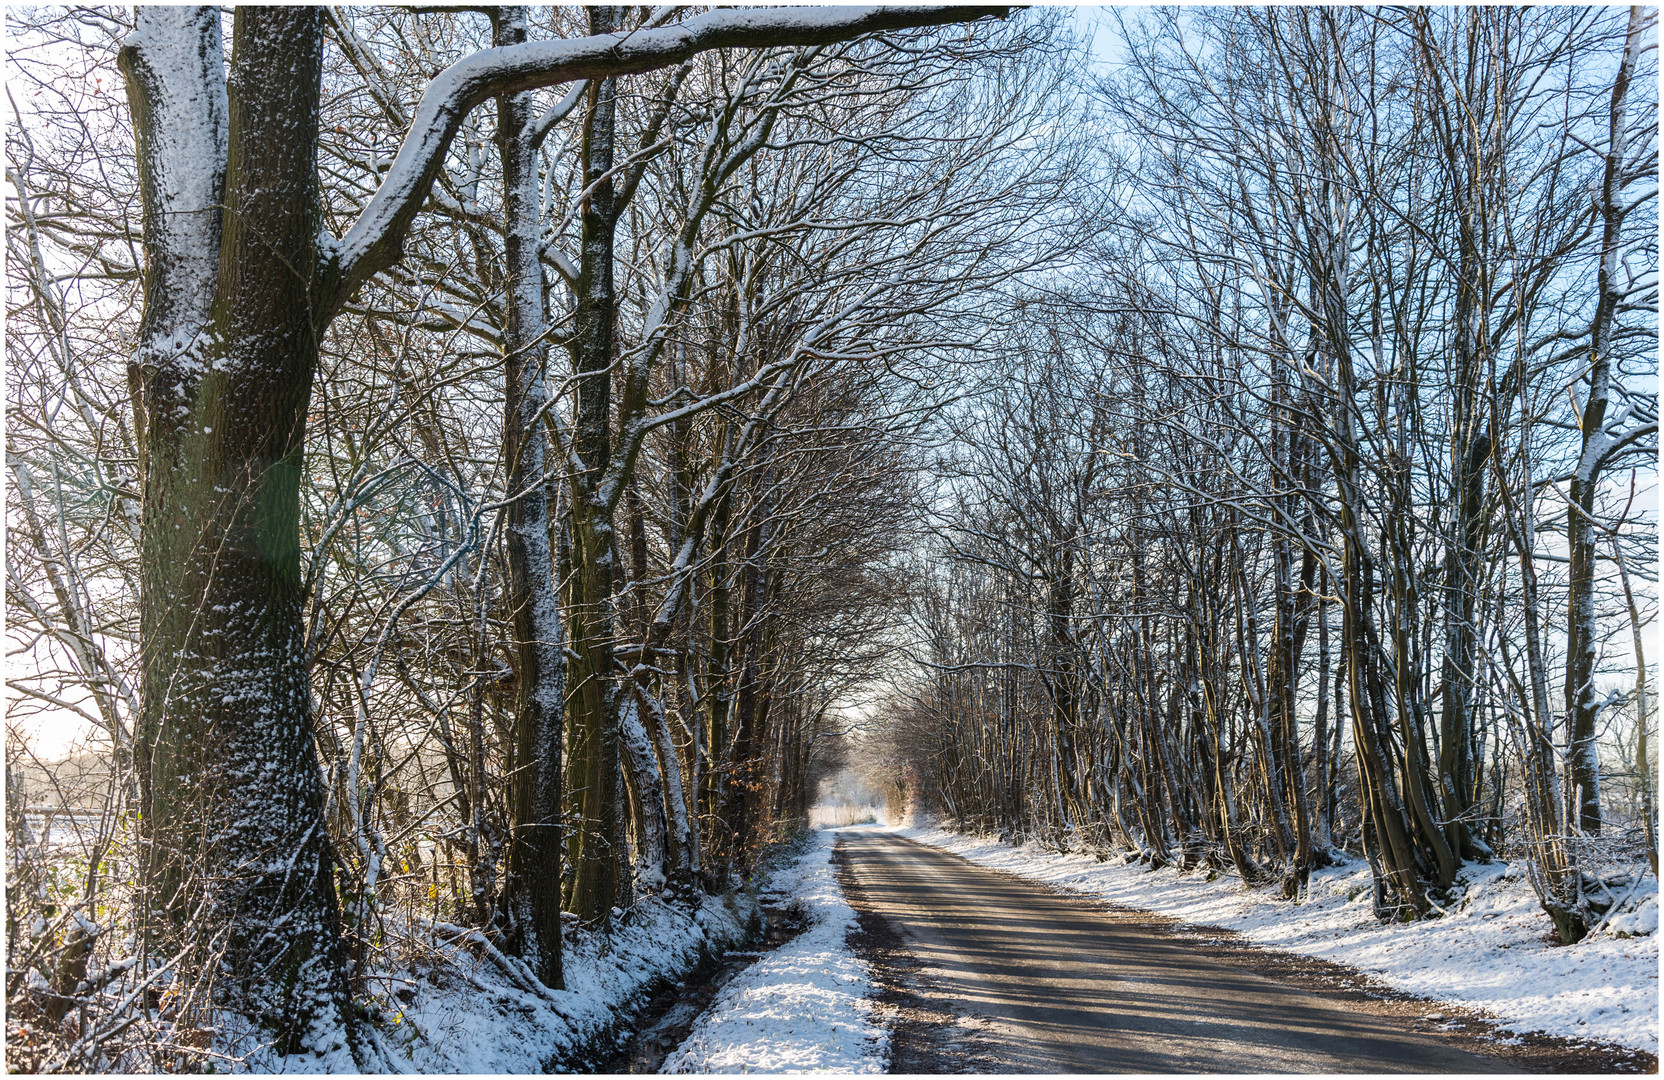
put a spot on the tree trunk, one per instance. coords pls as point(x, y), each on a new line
point(1461, 645)
point(718, 703)
point(592, 742)
point(534, 873)
point(1581, 707)
point(233, 797)
point(1646, 778)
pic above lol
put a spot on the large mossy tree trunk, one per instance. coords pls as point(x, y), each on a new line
point(239, 865)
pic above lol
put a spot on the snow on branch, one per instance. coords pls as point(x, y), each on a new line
point(376, 239)
point(173, 62)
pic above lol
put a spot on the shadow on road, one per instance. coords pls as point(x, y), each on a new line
point(985, 972)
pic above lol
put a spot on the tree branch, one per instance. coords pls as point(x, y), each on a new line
point(376, 239)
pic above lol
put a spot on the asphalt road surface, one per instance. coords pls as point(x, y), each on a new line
point(1051, 985)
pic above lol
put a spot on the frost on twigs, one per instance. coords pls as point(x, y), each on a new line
point(376, 239)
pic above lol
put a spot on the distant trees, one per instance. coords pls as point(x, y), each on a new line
point(1279, 473)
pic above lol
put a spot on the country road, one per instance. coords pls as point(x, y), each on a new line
point(1042, 982)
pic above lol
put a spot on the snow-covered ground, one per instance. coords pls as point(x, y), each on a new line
point(603, 976)
point(1490, 951)
point(804, 1007)
point(462, 1013)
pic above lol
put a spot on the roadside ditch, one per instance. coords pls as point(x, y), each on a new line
point(640, 1042)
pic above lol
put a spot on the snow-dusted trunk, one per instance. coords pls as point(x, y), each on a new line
point(1230, 823)
point(1282, 664)
point(1584, 765)
point(718, 853)
point(592, 742)
point(1388, 836)
point(685, 814)
point(1553, 864)
point(1294, 612)
point(1647, 778)
point(681, 841)
point(1463, 552)
point(1407, 703)
point(1472, 140)
point(646, 789)
point(539, 666)
point(233, 817)
point(1465, 536)
point(1323, 820)
point(750, 708)
point(1259, 702)
point(1159, 735)
point(682, 849)
point(1306, 852)
point(1061, 682)
point(1418, 791)
point(1385, 824)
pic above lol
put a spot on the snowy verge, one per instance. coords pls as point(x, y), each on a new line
point(456, 1012)
point(802, 1008)
point(1489, 951)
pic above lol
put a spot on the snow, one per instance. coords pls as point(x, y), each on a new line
point(178, 60)
point(461, 1014)
point(804, 1007)
point(1641, 922)
point(1491, 950)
